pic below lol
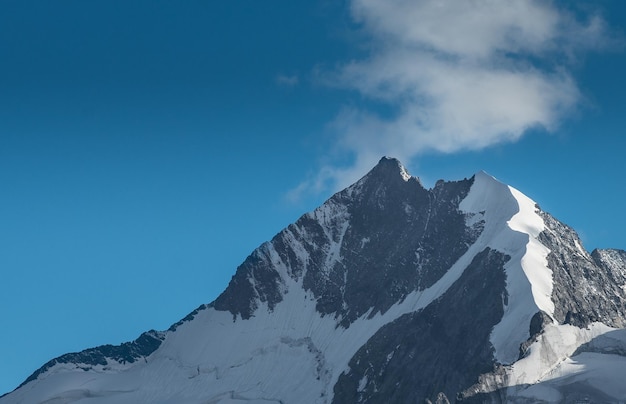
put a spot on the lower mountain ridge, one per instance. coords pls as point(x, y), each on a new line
point(387, 293)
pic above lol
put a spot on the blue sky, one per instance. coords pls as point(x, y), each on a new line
point(147, 147)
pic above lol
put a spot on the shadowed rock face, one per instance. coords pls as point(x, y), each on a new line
point(442, 348)
point(366, 248)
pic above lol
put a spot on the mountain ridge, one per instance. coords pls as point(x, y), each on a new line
point(383, 260)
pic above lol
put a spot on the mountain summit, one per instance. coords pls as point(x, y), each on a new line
point(388, 292)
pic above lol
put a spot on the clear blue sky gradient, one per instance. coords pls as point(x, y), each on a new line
point(147, 147)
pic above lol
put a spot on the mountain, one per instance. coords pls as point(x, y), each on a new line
point(388, 292)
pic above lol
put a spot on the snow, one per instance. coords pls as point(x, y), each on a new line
point(291, 354)
point(512, 226)
point(534, 263)
point(556, 344)
point(565, 363)
point(550, 367)
point(599, 371)
point(404, 173)
point(580, 249)
point(362, 384)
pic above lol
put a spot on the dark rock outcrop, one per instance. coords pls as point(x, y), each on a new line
point(440, 349)
point(127, 352)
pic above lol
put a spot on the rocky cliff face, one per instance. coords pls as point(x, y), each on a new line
point(365, 249)
point(388, 292)
point(587, 287)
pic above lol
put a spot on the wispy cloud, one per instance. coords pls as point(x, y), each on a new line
point(456, 75)
point(287, 80)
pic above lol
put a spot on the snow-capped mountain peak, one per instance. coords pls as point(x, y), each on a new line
point(388, 292)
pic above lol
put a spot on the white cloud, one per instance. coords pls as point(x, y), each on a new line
point(287, 80)
point(457, 75)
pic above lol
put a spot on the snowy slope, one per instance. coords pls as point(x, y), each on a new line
point(307, 307)
point(512, 228)
point(290, 354)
